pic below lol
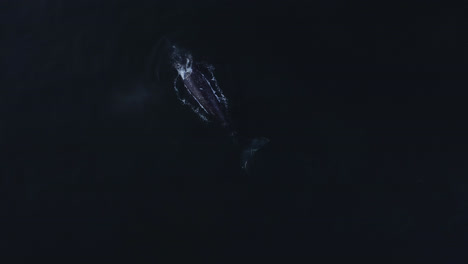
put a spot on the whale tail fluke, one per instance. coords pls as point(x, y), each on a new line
point(248, 152)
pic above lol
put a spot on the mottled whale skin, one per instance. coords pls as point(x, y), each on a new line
point(197, 87)
point(198, 80)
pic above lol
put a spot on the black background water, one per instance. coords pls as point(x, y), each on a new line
point(361, 102)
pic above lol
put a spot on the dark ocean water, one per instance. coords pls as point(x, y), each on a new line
point(361, 102)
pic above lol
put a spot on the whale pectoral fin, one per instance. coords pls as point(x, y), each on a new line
point(180, 90)
point(207, 73)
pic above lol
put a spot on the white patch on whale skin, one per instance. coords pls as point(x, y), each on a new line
point(182, 62)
